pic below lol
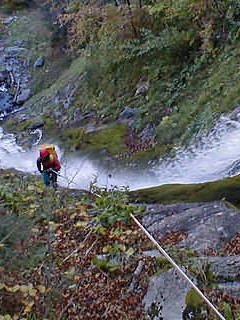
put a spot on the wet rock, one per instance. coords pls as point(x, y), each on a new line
point(234, 168)
point(9, 68)
point(165, 296)
point(77, 115)
point(9, 20)
point(127, 113)
point(14, 50)
point(148, 133)
point(152, 253)
point(6, 101)
point(18, 43)
point(3, 76)
point(65, 96)
point(6, 104)
point(39, 62)
point(207, 225)
point(235, 114)
point(142, 87)
point(226, 272)
point(23, 96)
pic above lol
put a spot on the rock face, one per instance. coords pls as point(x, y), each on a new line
point(207, 224)
point(23, 96)
point(39, 62)
point(165, 298)
point(226, 269)
point(14, 74)
point(227, 273)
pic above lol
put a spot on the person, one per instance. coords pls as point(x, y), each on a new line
point(45, 164)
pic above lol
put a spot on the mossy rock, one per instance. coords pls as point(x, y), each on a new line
point(111, 139)
point(16, 126)
point(194, 305)
point(73, 138)
point(228, 189)
point(193, 300)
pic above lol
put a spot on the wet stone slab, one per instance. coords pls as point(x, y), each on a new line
point(207, 225)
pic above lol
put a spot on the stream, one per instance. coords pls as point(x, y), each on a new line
point(213, 157)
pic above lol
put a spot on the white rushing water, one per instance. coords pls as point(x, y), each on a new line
point(208, 160)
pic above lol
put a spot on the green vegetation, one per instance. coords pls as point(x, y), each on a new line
point(194, 303)
point(111, 138)
point(186, 51)
point(17, 4)
point(184, 54)
point(210, 191)
point(38, 37)
point(74, 244)
point(78, 138)
point(48, 251)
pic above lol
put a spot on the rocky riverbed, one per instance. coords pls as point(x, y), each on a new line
point(14, 75)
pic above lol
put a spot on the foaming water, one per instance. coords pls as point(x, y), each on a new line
point(207, 159)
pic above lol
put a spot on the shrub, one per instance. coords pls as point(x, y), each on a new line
point(14, 233)
point(15, 4)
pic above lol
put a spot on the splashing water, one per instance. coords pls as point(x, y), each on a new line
point(209, 158)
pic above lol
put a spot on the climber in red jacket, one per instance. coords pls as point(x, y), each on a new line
point(48, 165)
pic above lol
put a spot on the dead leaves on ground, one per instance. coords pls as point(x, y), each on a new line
point(67, 282)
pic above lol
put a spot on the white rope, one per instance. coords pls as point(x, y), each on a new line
point(163, 252)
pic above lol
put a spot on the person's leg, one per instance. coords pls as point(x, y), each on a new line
point(54, 179)
point(46, 178)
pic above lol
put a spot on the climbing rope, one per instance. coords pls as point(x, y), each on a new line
point(164, 253)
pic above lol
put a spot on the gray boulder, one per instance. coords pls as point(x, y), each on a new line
point(39, 62)
point(231, 288)
point(225, 268)
point(23, 96)
point(165, 297)
point(9, 20)
point(207, 224)
point(14, 50)
point(3, 76)
point(127, 113)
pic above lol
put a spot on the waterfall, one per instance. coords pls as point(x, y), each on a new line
point(210, 157)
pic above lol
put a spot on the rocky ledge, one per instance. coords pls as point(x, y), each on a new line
point(207, 229)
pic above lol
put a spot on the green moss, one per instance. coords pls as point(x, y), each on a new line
point(74, 137)
point(49, 122)
point(193, 300)
point(16, 4)
point(227, 311)
point(161, 265)
point(14, 125)
point(228, 189)
point(110, 138)
point(18, 126)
